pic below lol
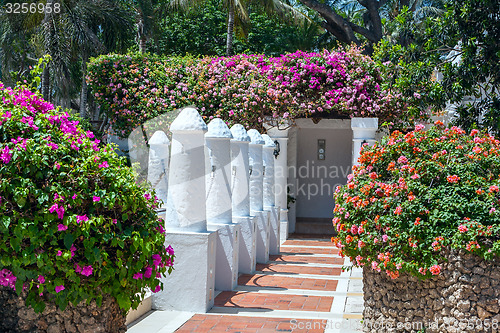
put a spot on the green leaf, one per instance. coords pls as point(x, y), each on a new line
point(68, 240)
point(21, 201)
point(19, 286)
point(14, 243)
point(5, 221)
point(123, 301)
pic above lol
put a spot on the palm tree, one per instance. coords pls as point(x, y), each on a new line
point(16, 52)
point(81, 29)
point(145, 20)
point(237, 14)
point(84, 21)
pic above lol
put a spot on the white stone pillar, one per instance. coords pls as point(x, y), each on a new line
point(257, 195)
point(240, 171)
point(219, 205)
point(269, 196)
point(256, 170)
point(363, 131)
point(281, 183)
point(192, 282)
point(268, 170)
point(218, 173)
point(158, 164)
point(240, 178)
point(186, 208)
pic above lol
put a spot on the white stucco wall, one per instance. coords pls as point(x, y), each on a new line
point(316, 179)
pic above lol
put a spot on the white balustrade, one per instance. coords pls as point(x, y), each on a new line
point(363, 131)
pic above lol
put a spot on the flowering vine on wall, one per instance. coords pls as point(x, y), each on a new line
point(247, 89)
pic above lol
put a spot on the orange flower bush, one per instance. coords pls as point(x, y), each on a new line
point(416, 195)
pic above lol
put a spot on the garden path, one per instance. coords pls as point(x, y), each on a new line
point(303, 289)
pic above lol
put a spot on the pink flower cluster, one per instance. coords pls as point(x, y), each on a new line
point(7, 279)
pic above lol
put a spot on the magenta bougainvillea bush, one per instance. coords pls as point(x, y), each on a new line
point(74, 225)
point(416, 195)
point(248, 89)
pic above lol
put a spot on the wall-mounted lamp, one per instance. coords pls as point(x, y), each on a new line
point(277, 149)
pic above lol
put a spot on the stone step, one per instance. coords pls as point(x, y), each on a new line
point(286, 282)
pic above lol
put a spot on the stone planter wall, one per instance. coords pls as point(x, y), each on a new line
point(16, 317)
point(465, 297)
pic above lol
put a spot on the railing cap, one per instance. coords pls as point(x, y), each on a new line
point(159, 138)
point(188, 120)
point(268, 142)
point(217, 128)
point(255, 137)
point(240, 133)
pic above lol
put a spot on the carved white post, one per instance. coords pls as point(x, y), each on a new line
point(219, 205)
point(281, 181)
point(268, 172)
point(363, 131)
point(186, 208)
point(269, 197)
point(158, 164)
point(257, 195)
point(192, 281)
point(218, 173)
point(240, 177)
point(240, 171)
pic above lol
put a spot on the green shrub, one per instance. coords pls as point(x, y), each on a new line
point(74, 225)
point(416, 195)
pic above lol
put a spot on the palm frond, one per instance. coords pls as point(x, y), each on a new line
point(182, 5)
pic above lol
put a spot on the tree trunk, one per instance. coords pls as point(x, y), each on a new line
point(48, 28)
point(142, 43)
point(141, 36)
point(342, 28)
point(45, 83)
point(230, 29)
point(83, 94)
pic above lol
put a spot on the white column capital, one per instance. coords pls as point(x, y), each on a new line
point(189, 121)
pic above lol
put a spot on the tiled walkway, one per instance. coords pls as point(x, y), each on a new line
point(301, 290)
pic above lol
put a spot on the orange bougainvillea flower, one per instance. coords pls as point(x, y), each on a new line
point(423, 178)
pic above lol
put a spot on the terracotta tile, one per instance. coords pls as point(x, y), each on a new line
point(307, 259)
point(309, 243)
point(272, 301)
point(309, 250)
point(290, 269)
